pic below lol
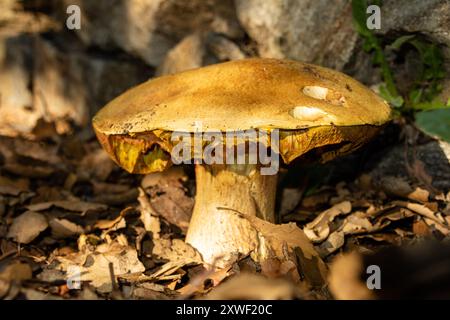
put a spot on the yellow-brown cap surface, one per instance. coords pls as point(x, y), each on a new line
point(244, 94)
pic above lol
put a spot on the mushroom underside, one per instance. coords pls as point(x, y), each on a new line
point(149, 152)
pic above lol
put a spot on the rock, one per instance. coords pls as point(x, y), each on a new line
point(149, 28)
point(435, 156)
point(58, 81)
point(431, 17)
point(58, 85)
point(107, 76)
point(188, 54)
point(16, 101)
point(199, 49)
point(223, 48)
point(309, 30)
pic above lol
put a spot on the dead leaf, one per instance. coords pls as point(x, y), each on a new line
point(175, 250)
point(423, 211)
point(16, 271)
point(4, 287)
point(169, 197)
point(142, 292)
point(70, 205)
point(357, 222)
point(288, 237)
point(63, 228)
point(333, 243)
point(26, 227)
point(197, 284)
point(95, 266)
point(37, 172)
point(437, 226)
point(344, 278)
point(319, 229)
point(254, 287)
point(167, 177)
point(96, 164)
point(10, 190)
point(115, 224)
point(421, 228)
point(15, 186)
point(148, 215)
point(165, 272)
point(420, 195)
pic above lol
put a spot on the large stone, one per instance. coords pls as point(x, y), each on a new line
point(430, 17)
point(188, 54)
point(60, 83)
point(16, 100)
point(149, 28)
point(199, 49)
point(318, 31)
point(59, 91)
point(434, 155)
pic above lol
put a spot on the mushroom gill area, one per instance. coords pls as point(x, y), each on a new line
point(149, 152)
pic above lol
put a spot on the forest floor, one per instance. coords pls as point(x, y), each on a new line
point(73, 225)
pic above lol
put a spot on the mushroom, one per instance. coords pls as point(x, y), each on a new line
point(313, 110)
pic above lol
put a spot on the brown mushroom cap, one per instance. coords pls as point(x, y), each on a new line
point(312, 106)
point(240, 95)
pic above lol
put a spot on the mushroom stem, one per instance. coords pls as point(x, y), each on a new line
point(216, 229)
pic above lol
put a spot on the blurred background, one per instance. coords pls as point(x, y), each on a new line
point(50, 74)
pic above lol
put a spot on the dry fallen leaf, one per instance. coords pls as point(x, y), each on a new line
point(16, 271)
point(96, 266)
point(70, 205)
point(197, 284)
point(283, 239)
point(246, 286)
point(431, 218)
point(168, 196)
point(148, 215)
point(26, 227)
point(62, 228)
point(96, 164)
point(175, 250)
point(344, 278)
point(333, 243)
point(4, 287)
point(319, 229)
point(115, 224)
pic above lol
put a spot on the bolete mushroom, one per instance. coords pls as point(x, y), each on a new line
point(313, 109)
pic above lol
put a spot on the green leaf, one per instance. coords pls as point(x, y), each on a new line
point(359, 17)
point(415, 96)
point(435, 123)
point(430, 105)
point(394, 100)
point(400, 41)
